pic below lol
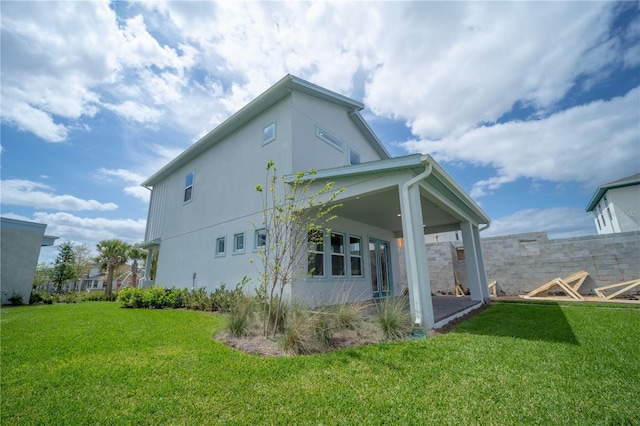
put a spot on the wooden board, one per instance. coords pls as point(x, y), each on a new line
point(569, 285)
point(628, 285)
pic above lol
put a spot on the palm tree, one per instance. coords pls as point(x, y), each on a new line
point(111, 254)
point(135, 253)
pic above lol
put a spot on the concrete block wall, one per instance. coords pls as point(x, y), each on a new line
point(522, 262)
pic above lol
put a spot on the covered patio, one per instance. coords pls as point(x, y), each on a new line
point(413, 196)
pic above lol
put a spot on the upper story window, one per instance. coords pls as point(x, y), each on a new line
point(188, 186)
point(331, 140)
point(354, 157)
point(269, 133)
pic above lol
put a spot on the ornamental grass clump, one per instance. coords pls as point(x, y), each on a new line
point(241, 315)
point(394, 317)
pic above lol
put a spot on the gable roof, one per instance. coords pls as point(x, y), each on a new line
point(271, 96)
point(602, 189)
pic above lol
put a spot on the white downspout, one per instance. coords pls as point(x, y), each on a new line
point(407, 218)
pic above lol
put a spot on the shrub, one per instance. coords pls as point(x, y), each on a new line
point(394, 318)
point(176, 298)
point(16, 299)
point(324, 324)
point(40, 297)
point(223, 300)
point(153, 297)
point(349, 315)
point(198, 300)
point(131, 297)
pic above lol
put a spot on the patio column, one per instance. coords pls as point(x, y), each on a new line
point(475, 263)
point(416, 258)
point(147, 266)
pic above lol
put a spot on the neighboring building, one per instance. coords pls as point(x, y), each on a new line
point(20, 243)
point(616, 206)
point(205, 217)
point(94, 280)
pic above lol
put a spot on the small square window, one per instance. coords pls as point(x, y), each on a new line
point(221, 243)
point(269, 133)
point(238, 243)
point(260, 239)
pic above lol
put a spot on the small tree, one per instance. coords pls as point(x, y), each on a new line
point(83, 260)
point(64, 267)
point(135, 254)
point(291, 216)
point(111, 254)
point(43, 274)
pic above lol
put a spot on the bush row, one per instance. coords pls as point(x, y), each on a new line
point(73, 297)
point(157, 297)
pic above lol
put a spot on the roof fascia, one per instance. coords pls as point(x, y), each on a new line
point(274, 94)
point(368, 133)
point(602, 189)
point(453, 186)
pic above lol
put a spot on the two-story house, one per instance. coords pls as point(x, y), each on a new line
point(205, 217)
point(616, 206)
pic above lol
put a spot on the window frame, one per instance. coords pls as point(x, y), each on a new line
point(237, 250)
point(217, 251)
point(342, 255)
point(271, 138)
point(358, 256)
point(188, 187)
point(257, 247)
point(351, 152)
point(329, 138)
point(313, 274)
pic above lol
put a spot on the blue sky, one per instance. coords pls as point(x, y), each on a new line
point(528, 105)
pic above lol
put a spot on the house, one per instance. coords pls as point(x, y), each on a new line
point(616, 206)
point(20, 243)
point(205, 217)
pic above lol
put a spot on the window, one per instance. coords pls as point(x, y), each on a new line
point(354, 157)
point(337, 255)
point(355, 256)
point(269, 133)
point(328, 138)
point(221, 243)
point(260, 239)
point(188, 187)
point(460, 254)
point(598, 222)
point(609, 214)
point(238, 243)
point(316, 253)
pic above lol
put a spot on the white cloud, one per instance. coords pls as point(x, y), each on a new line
point(136, 179)
point(19, 192)
point(559, 222)
point(593, 144)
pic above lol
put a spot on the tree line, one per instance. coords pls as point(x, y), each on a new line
point(74, 262)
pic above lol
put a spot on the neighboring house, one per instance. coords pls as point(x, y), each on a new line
point(616, 206)
point(205, 215)
point(20, 243)
point(94, 280)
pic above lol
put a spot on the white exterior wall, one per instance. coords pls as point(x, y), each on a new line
point(625, 207)
point(618, 210)
point(311, 152)
point(329, 290)
point(224, 202)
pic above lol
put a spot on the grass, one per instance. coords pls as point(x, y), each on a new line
point(95, 363)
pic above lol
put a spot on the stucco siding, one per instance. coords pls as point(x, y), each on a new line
point(20, 244)
point(311, 152)
point(625, 203)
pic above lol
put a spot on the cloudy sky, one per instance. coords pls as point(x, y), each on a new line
point(528, 105)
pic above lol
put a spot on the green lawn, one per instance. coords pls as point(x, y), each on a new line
point(95, 363)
